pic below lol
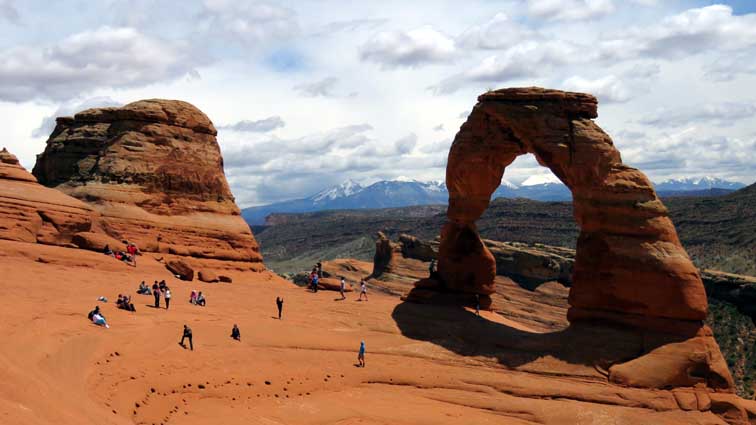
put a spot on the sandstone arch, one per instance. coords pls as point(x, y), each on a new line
point(630, 265)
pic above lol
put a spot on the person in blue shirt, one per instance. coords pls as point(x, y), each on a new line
point(361, 354)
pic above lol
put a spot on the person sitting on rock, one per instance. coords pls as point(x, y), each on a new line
point(93, 312)
point(201, 299)
point(193, 297)
point(99, 320)
point(107, 250)
point(144, 289)
point(235, 333)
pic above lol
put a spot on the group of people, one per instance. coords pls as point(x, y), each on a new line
point(197, 298)
point(128, 256)
point(159, 289)
point(124, 303)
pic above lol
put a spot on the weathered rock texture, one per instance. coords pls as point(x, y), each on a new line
point(629, 269)
point(630, 261)
point(30, 212)
point(154, 172)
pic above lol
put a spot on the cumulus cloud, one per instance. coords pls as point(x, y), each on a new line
point(569, 10)
point(720, 114)
point(412, 48)
point(259, 126)
point(248, 22)
point(525, 60)
point(70, 108)
point(609, 89)
point(105, 57)
point(694, 31)
point(320, 88)
point(499, 32)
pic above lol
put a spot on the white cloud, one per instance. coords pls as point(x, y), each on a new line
point(609, 89)
point(409, 49)
point(259, 126)
point(720, 114)
point(525, 60)
point(78, 64)
point(499, 32)
point(692, 32)
point(569, 10)
point(322, 88)
point(248, 22)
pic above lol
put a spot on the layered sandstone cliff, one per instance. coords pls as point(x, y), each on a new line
point(153, 172)
point(30, 212)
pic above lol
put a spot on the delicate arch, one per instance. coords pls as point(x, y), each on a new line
point(630, 265)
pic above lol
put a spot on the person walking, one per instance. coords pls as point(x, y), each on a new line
point(167, 297)
point(363, 290)
point(361, 354)
point(279, 304)
point(156, 294)
point(343, 288)
point(187, 334)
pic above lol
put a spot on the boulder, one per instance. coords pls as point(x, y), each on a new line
point(95, 241)
point(225, 279)
point(181, 269)
point(208, 276)
point(153, 172)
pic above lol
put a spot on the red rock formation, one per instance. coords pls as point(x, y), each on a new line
point(154, 172)
point(630, 267)
point(30, 212)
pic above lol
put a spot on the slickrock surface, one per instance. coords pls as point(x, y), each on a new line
point(153, 170)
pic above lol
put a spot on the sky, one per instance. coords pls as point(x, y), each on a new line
point(307, 94)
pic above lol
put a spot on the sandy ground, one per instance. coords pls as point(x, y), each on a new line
point(425, 364)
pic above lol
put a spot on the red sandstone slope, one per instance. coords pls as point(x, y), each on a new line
point(153, 171)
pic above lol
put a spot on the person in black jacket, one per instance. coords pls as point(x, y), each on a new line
point(156, 293)
point(279, 304)
point(235, 333)
point(187, 334)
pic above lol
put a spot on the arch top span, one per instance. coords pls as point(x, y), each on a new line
point(630, 265)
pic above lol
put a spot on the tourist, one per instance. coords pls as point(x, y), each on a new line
point(342, 288)
point(201, 299)
point(167, 297)
point(99, 320)
point(162, 285)
point(363, 290)
point(279, 304)
point(193, 297)
point(132, 250)
point(156, 293)
point(315, 281)
point(361, 354)
point(477, 305)
point(143, 289)
point(235, 333)
point(320, 269)
point(187, 334)
point(107, 250)
point(432, 268)
point(93, 312)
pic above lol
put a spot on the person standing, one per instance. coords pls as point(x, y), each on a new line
point(279, 304)
point(361, 354)
point(167, 297)
point(187, 334)
point(343, 288)
point(132, 250)
point(477, 305)
point(320, 270)
point(363, 290)
point(156, 294)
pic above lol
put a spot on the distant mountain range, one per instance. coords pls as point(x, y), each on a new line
point(404, 192)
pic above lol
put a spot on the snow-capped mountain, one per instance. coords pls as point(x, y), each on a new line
point(404, 191)
point(697, 183)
